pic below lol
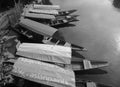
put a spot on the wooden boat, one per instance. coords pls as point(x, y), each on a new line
point(39, 11)
point(87, 83)
point(45, 17)
point(57, 41)
point(45, 52)
point(66, 17)
point(54, 23)
point(43, 73)
point(87, 64)
point(30, 29)
point(48, 7)
point(51, 35)
point(52, 12)
point(57, 54)
point(50, 19)
point(38, 16)
point(37, 27)
point(63, 13)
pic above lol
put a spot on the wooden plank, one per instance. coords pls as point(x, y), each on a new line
point(77, 63)
point(91, 84)
point(96, 64)
point(87, 64)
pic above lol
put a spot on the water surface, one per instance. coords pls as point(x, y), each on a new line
point(99, 31)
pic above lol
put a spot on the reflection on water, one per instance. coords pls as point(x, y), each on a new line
point(117, 36)
point(99, 23)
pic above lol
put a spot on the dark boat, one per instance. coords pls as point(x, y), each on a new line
point(50, 19)
point(63, 13)
point(66, 17)
point(51, 12)
point(57, 41)
point(29, 28)
point(54, 23)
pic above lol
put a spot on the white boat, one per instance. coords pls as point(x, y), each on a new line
point(43, 73)
point(39, 16)
point(40, 11)
point(46, 7)
point(57, 54)
point(37, 27)
point(45, 52)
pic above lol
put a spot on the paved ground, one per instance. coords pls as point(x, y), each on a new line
point(99, 31)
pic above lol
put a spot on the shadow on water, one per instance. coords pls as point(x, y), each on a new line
point(77, 55)
point(91, 72)
point(116, 3)
point(103, 85)
point(58, 35)
point(46, 2)
point(64, 25)
point(37, 39)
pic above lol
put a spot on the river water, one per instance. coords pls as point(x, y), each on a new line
point(98, 29)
